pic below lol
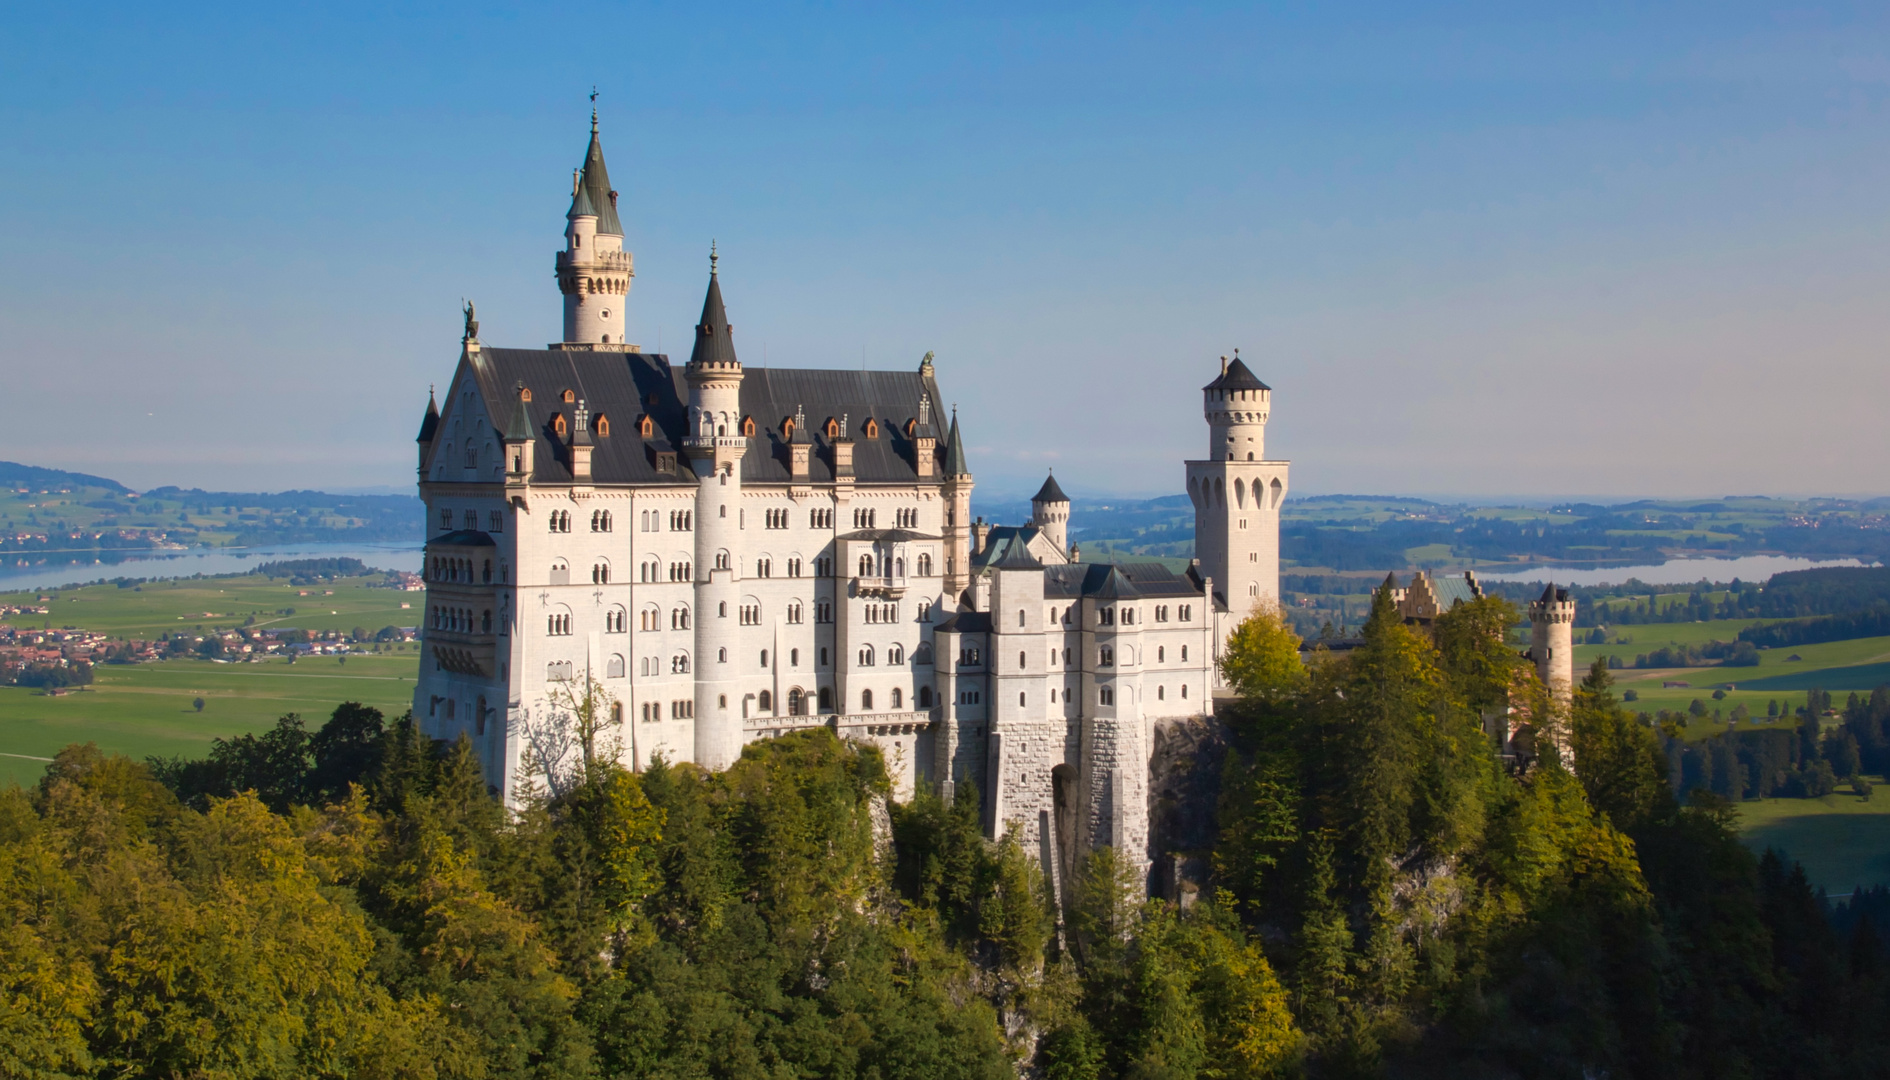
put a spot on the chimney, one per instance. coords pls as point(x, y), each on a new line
point(925, 439)
point(581, 442)
point(843, 451)
point(979, 530)
point(800, 446)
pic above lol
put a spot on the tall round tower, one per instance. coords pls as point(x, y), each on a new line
point(1050, 512)
point(1237, 494)
point(1552, 642)
point(715, 446)
point(594, 270)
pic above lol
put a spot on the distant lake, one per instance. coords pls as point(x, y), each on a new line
point(1673, 571)
point(28, 571)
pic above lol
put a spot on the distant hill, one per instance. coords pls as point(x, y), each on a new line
point(15, 475)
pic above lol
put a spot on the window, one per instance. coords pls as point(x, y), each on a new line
point(866, 656)
point(898, 698)
point(777, 519)
point(681, 571)
point(866, 566)
point(1106, 696)
point(1106, 657)
point(826, 698)
point(1020, 699)
point(558, 624)
point(1161, 654)
point(1184, 690)
point(679, 664)
point(560, 572)
point(823, 567)
point(871, 428)
point(751, 614)
point(600, 573)
point(823, 612)
point(721, 657)
point(1020, 618)
point(823, 656)
point(682, 520)
point(650, 618)
point(866, 701)
point(1161, 612)
point(794, 612)
point(560, 521)
point(1105, 616)
point(485, 621)
point(469, 520)
point(1186, 613)
point(600, 521)
point(446, 519)
point(721, 610)
point(764, 658)
point(615, 668)
point(925, 565)
point(794, 658)
point(650, 571)
point(820, 519)
point(794, 568)
point(925, 697)
point(895, 654)
point(969, 697)
point(1184, 654)
point(682, 710)
point(765, 701)
point(863, 519)
point(721, 560)
point(764, 567)
point(796, 702)
point(558, 671)
point(1161, 693)
point(908, 519)
point(495, 521)
point(679, 618)
point(645, 426)
point(616, 621)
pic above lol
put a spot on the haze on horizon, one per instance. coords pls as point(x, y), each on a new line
point(1476, 251)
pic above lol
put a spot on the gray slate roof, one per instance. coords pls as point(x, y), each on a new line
point(999, 542)
point(714, 345)
point(1050, 492)
point(955, 449)
point(1454, 589)
point(1237, 377)
point(1116, 581)
point(623, 387)
point(594, 189)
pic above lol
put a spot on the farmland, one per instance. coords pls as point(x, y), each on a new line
point(201, 604)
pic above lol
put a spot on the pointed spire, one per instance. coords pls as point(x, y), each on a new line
point(594, 195)
point(429, 423)
point(713, 343)
point(1050, 492)
point(955, 450)
point(519, 427)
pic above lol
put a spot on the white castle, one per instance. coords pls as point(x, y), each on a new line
point(733, 554)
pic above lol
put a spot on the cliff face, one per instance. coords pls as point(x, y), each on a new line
point(1184, 784)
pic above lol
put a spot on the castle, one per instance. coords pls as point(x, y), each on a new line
point(732, 553)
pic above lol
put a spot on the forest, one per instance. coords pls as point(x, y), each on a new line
point(1393, 893)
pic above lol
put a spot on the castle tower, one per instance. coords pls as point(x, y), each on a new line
point(429, 426)
point(594, 270)
point(1237, 494)
point(1050, 512)
point(1552, 642)
point(715, 447)
point(957, 495)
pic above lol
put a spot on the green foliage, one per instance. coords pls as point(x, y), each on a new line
point(1261, 658)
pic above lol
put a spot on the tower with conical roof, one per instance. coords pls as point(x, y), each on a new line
point(594, 271)
point(956, 492)
point(1050, 512)
point(1237, 494)
point(715, 447)
point(1552, 642)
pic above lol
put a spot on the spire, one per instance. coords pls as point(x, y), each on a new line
point(519, 428)
point(429, 423)
point(713, 343)
point(955, 450)
point(594, 195)
point(1050, 492)
point(581, 425)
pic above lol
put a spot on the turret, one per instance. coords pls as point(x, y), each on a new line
point(1552, 642)
point(1237, 494)
point(1236, 407)
point(957, 494)
point(715, 446)
point(1050, 512)
point(429, 425)
point(594, 271)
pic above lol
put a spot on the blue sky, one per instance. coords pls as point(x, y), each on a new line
point(1606, 250)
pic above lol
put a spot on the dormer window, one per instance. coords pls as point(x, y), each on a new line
point(787, 429)
point(872, 428)
point(748, 426)
point(645, 427)
point(833, 428)
point(601, 425)
point(911, 426)
point(568, 396)
point(524, 393)
point(557, 424)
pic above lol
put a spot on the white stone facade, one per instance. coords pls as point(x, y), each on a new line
point(733, 554)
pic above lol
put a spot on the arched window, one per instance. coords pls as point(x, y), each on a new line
point(925, 697)
point(898, 698)
point(866, 656)
point(614, 670)
point(765, 701)
point(866, 701)
point(796, 702)
point(826, 698)
point(925, 566)
point(616, 620)
point(748, 426)
point(895, 654)
point(485, 621)
point(600, 573)
point(721, 656)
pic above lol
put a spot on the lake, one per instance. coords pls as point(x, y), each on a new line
point(50, 571)
point(1671, 572)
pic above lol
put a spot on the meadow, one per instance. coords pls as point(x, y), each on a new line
point(144, 710)
point(198, 604)
point(1842, 839)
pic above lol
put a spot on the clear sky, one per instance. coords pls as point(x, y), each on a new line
point(1476, 249)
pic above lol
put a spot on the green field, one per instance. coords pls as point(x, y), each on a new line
point(1843, 840)
point(145, 709)
point(204, 603)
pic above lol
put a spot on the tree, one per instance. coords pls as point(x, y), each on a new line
point(1261, 659)
point(1619, 762)
point(197, 703)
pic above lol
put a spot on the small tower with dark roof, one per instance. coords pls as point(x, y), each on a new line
point(594, 271)
point(1237, 494)
point(1552, 642)
point(1050, 512)
point(957, 495)
point(429, 426)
